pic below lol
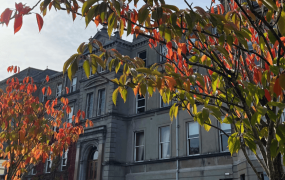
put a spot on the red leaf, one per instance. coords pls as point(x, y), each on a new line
point(48, 91)
point(19, 7)
point(67, 90)
point(267, 95)
point(18, 23)
point(40, 21)
point(213, 1)
point(5, 16)
point(222, 8)
point(15, 69)
point(47, 78)
point(277, 88)
point(78, 113)
point(43, 90)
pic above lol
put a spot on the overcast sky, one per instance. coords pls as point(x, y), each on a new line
point(57, 41)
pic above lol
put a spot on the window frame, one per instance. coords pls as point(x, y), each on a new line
point(137, 99)
point(73, 86)
point(88, 104)
point(62, 159)
point(69, 119)
point(160, 142)
point(145, 55)
point(162, 58)
point(48, 160)
point(98, 102)
point(220, 135)
point(135, 147)
point(58, 93)
point(198, 137)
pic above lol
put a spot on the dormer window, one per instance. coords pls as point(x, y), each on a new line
point(73, 84)
point(58, 89)
point(142, 55)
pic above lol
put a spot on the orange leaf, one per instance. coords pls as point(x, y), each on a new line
point(83, 114)
point(204, 57)
point(40, 21)
point(67, 90)
point(47, 78)
point(18, 23)
point(269, 59)
point(15, 69)
point(78, 113)
point(136, 89)
point(43, 90)
point(212, 10)
point(48, 91)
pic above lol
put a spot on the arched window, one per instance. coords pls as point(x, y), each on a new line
point(92, 164)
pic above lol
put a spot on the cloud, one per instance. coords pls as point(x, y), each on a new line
point(57, 41)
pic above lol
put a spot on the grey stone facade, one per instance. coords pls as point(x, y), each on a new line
point(114, 130)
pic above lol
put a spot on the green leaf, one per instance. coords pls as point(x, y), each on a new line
point(90, 15)
point(233, 143)
point(122, 28)
point(230, 40)
point(86, 68)
point(270, 5)
point(90, 47)
point(167, 34)
point(273, 148)
point(72, 70)
point(144, 70)
point(250, 143)
point(143, 13)
point(124, 93)
point(174, 8)
point(222, 40)
point(115, 95)
point(87, 4)
point(111, 22)
point(228, 120)
point(281, 24)
point(261, 43)
point(80, 48)
point(67, 62)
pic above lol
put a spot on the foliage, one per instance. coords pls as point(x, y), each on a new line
point(27, 127)
point(237, 84)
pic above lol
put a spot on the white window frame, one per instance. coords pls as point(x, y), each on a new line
point(48, 160)
point(58, 92)
point(164, 53)
point(88, 108)
point(135, 146)
point(64, 157)
point(160, 142)
point(228, 131)
point(69, 116)
point(145, 55)
point(73, 84)
point(102, 109)
point(44, 98)
point(189, 138)
point(137, 99)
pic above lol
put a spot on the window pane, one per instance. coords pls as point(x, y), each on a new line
point(142, 55)
point(140, 110)
point(225, 126)
point(193, 146)
point(141, 102)
point(193, 128)
point(95, 156)
point(139, 153)
point(139, 138)
point(89, 106)
point(165, 134)
point(224, 142)
point(101, 102)
point(165, 150)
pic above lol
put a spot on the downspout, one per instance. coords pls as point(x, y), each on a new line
point(177, 147)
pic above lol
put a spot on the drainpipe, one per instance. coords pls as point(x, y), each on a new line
point(177, 147)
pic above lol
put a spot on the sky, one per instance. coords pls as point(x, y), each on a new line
point(57, 41)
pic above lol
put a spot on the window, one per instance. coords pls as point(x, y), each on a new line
point(70, 115)
point(58, 90)
point(163, 51)
point(193, 138)
point(163, 104)
point(214, 30)
point(73, 85)
point(64, 160)
point(89, 105)
point(140, 104)
point(142, 55)
point(223, 137)
point(45, 96)
point(139, 146)
point(48, 164)
point(242, 177)
point(164, 142)
point(101, 102)
point(92, 164)
point(33, 171)
point(263, 176)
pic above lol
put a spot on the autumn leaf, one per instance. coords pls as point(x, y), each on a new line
point(267, 95)
point(40, 21)
point(277, 88)
point(43, 90)
point(5, 16)
point(67, 90)
point(49, 91)
point(18, 23)
point(47, 78)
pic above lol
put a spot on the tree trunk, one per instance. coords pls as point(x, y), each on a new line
point(278, 169)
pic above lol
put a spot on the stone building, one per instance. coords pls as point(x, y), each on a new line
point(136, 140)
